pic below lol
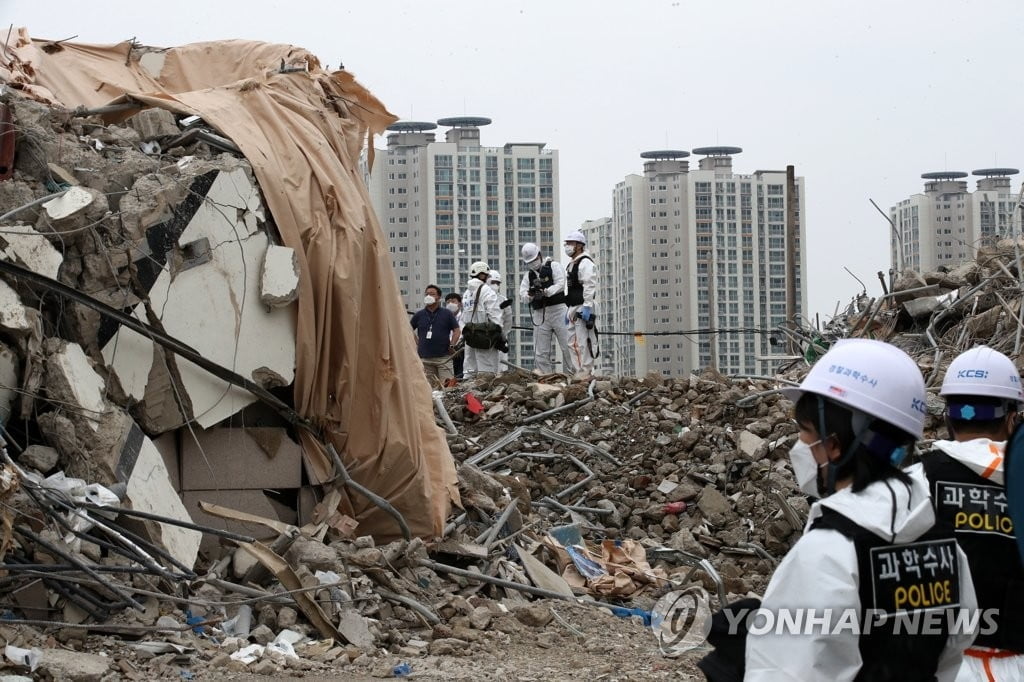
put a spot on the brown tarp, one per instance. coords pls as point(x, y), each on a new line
point(357, 374)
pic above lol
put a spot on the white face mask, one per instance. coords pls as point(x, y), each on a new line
point(805, 467)
point(494, 285)
point(569, 249)
point(535, 264)
point(454, 307)
point(429, 300)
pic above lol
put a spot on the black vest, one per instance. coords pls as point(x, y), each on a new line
point(544, 278)
point(892, 577)
point(975, 510)
point(574, 295)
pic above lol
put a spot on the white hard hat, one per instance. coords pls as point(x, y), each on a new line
point(530, 252)
point(983, 371)
point(577, 236)
point(495, 276)
point(873, 377)
point(478, 268)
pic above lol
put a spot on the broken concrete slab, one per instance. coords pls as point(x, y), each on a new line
point(154, 124)
point(279, 283)
point(72, 380)
point(22, 244)
point(42, 458)
point(73, 211)
point(235, 329)
point(76, 666)
point(750, 443)
point(14, 317)
point(150, 490)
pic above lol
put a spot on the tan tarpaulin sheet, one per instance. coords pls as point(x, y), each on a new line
point(357, 373)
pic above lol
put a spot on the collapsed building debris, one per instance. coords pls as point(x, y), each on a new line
point(200, 480)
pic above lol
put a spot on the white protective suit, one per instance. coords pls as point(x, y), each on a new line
point(821, 572)
point(506, 319)
point(985, 458)
point(582, 352)
point(548, 322)
point(487, 309)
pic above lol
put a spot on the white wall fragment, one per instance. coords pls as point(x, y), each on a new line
point(279, 283)
point(215, 307)
point(29, 248)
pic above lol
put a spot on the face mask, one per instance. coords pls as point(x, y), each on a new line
point(454, 307)
point(429, 300)
point(494, 285)
point(805, 467)
point(535, 264)
point(569, 249)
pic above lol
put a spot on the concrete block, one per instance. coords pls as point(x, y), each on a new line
point(70, 204)
point(247, 458)
point(70, 378)
point(750, 443)
point(14, 317)
point(42, 458)
point(23, 245)
point(154, 124)
point(78, 666)
point(279, 284)
point(235, 329)
point(10, 381)
point(150, 489)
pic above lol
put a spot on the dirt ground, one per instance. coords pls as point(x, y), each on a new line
point(580, 643)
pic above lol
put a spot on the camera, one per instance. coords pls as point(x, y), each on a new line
point(535, 290)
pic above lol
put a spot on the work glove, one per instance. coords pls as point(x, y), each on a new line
point(506, 303)
point(585, 313)
point(502, 345)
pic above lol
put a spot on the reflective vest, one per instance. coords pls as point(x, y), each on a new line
point(975, 510)
point(900, 580)
point(574, 295)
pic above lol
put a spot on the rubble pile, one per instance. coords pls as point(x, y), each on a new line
point(937, 315)
point(692, 465)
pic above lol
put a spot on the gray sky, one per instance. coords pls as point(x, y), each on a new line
point(862, 97)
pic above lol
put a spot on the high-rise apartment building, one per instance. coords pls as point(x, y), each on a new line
point(444, 205)
point(704, 249)
point(947, 224)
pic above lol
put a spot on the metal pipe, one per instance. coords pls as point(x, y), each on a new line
point(550, 455)
point(563, 408)
point(471, 575)
point(899, 236)
point(571, 507)
point(82, 112)
point(419, 608)
point(173, 522)
point(50, 547)
point(877, 305)
point(373, 497)
point(639, 396)
point(34, 202)
point(443, 413)
point(493, 531)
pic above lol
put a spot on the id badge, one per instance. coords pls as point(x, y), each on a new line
point(430, 333)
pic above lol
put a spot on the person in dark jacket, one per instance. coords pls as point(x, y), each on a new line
point(437, 332)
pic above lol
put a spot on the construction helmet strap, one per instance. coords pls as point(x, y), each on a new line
point(968, 412)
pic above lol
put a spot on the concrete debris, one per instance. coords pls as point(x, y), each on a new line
point(154, 124)
point(279, 283)
point(27, 247)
